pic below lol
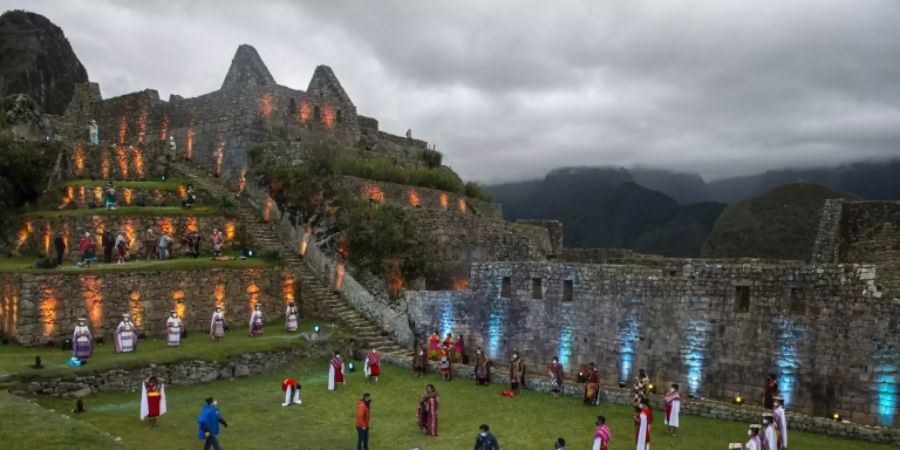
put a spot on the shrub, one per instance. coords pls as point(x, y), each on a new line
point(432, 158)
point(474, 190)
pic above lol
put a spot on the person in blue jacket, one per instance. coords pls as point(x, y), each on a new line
point(208, 422)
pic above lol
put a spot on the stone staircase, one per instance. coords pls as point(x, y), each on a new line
point(316, 292)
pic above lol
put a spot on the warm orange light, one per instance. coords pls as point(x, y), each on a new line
point(373, 192)
point(66, 237)
point(460, 284)
point(220, 156)
point(229, 230)
point(9, 309)
point(267, 210)
point(164, 127)
point(79, 159)
point(339, 277)
point(413, 198)
point(165, 225)
point(81, 197)
point(48, 310)
point(99, 228)
point(445, 200)
point(189, 147)
point(127, 195)
point(287, 287)
point(328, 115)
point(178, 303)
point(137, 309)
point(395, 282)
point(242, 181)
point(142, 124)
point(70, 194)
point(23, 234)
point(252, 295)
point(123, 161)
point(158, 196)
point(130, 233)
point(219, 295)
point(104, 164)
point(462, 206)
point(123, 130)
point(304, 241)
point(98, 195)
point(182, 191)
point(46, 239)
point(344, 246)
point(191, 224)
point(138, 162)
point(265, 105)
point(92, 293)
point(305, 111)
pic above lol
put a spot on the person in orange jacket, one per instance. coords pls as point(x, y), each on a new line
point(362, 422)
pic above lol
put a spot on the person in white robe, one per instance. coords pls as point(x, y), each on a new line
point(174, 329)
point(755, 442)
point(335, 371)
point(291, 392)
point(153, 399)
point(217, 325)
point(256, 322)
point(126, 335)
point(82, 340)
point(769, 434)
point(291, 318)
point(642, 426)
point(673, 409)
point(780, 422)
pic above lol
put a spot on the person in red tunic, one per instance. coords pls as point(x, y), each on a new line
point(434, 345)
point(428, 411)
point(373, 366)
point(450, 344)
point(291, 392)
point(642, 419)
point(446, 370)
point(592, 386)
point(335, 371)
point(153, 399)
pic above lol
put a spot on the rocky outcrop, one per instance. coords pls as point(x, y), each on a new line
point(37, 60)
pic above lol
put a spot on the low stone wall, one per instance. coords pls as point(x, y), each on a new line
point(693, 407)
point(81, 197)
point(422, 198)
point(40, 232)
point(107, 162)
point(39, 308)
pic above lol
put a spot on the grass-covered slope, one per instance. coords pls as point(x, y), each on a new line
point(781, 224)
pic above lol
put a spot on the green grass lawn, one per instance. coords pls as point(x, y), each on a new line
point(252, 408)
point(163, 211)
point(25, 264)
point(25, 425)
point(15, 359)
point(168, 185)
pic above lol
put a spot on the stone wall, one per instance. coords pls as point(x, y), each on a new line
point(869, 232)
point(39, 232)
point(716, 327)
point(84, 197)
point(110, 162)
point(420, 198)
point(828, 232)
point(37, 308)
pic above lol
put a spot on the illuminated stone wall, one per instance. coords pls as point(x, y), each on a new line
point(114, 162)
point(422, 198)
point(827, 331)
point(37, 308)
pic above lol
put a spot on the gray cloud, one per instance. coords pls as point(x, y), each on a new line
point(511, 89)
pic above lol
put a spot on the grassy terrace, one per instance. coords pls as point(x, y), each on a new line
point(168, 185)
point(256, 419)
point(15, 359)
point(126, 211)
point(25, 264)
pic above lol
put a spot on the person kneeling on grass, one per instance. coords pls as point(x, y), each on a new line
point(291, 392)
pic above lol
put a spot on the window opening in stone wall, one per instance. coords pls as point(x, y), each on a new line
point(568, 290)
point(317, 114)
point(340, 117)
point(798, 301)
point(293, 107)
point(536, 292)
point(506, 287)
point(742, 299)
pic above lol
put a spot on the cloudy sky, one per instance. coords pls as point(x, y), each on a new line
point(508, 90)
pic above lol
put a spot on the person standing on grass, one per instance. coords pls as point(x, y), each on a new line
point(434, 342)
point(372, 367)
point(459, 351)
point(174, 329)
point(94, 132)
point(449, 344)
point(755, 442)
point(516, 373)
point(121, 247)
point(208, 425)
point(217, 325)
point(109, 244)
point(446, 369)
point(150, 244)
point(556, 377)
point(218, 240)
point(164, 242)
point(769, 432)
point(780, 422)
point(592, 386)
point(110, 196)
point(82, 340)
point(335, 371)
point(420, 362)
point(602, 436)
point(362, 422)
point(673, 409)
point(126, 335)
point(427, 414)
point(153, 399)
point(86, 247)
point(291, 318)
point(485, 440)
point(642, 419)
point(560, 444)
point(59, 244)
point(256, 322)
point(482, 368)
point(771, 390)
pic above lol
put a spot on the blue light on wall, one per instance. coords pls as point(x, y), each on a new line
point(787, 356)
point(495, 327)
point(886, 384)
point(566, 330)
point(694, 352)
point(446, 318)
point(628, 336)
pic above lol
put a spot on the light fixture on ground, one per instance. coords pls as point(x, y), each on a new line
point(738, 400)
